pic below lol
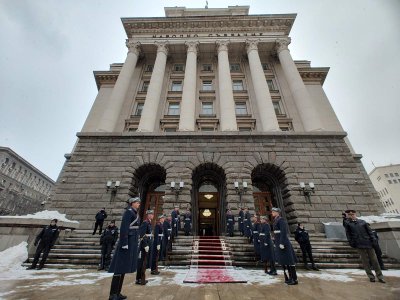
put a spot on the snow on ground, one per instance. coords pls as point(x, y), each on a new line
point(45, 215)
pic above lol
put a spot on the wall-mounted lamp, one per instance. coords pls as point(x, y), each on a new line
point(306, 190)
point(240, 190)
point(176, 188)
point(113, 187)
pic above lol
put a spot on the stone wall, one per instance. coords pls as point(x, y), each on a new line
point(320, 157)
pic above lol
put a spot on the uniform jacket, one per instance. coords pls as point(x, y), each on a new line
point(109, 235)
point(230, 219)
point(175, 219)
point(167, 229)
point(158, 234)
point(359, 234)
point(48, 235)
point(284, 256)
point(101, 215)
point(247, 224)
point(266, 245)
point(301, 236)
point(145, 234)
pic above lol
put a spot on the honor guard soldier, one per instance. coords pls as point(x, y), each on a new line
point(187, 221)
point(157, 242)
point(247, 225)
point(146, 241)
point(125, 255)
point(107, 242)
point(167, 231)
point(176, 224)
point(100, 217)
point(301, 236)
point(266, 247)
point(240, 221)
point(283, 248)
point(230, 222)
point(46, 240)
point(256, 227)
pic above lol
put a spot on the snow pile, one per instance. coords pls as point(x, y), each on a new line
point(386, 217)
point(327, 276)
point(13, 257)
point(45, 215)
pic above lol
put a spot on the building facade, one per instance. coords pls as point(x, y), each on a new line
point(386, 180)
point(210, 111)
point(23, 188)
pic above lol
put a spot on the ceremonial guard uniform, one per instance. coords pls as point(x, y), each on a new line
point(187, 223)
point(146, 241)
point(167, 232)
point(247, 225)
point(283, 248)
point(176, 224)
point(47, 238)
point(267, 247)
point(157, 244)
point(301, 236)
point(256, 227)
point(126, 253)
point(240, 222)
point(107, 242)
point(230, 223)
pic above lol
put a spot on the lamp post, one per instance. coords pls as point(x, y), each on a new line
point(306, 190)
point(175, 188)
point(113, 187)
point(240, 190)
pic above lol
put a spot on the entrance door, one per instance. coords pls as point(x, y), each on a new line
point(154, 201)
point(208, 214)
point(263, 203)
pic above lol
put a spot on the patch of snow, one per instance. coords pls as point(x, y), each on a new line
point(44, 215)
point(327, 276)
point(13, 256)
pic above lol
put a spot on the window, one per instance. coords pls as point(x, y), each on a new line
point(244, 129)
point(139, 109)
point(237, 85)
point(173, 109)
point(176, 86)
point(391, 175)
point(386, 175)
point(207, 129)
point(265, 66)
point(240, 108)
point(386, 191)
point(397, 174)
point(207, 108)
point(235, 67)
point(178, 68)
point(170, 129)
point(149, 68)
point(390, 182)
point(394, 181)
point(277, 108)
point(207, 85)
point(145, 86)
point(271, 86)
point(207, 67)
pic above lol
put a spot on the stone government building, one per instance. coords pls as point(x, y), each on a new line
point(212, 99)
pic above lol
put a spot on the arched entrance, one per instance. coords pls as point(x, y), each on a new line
point(269, 188)
point(208, 199)
point(150, 183)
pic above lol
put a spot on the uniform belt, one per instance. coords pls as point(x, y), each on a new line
point(245, 219)
point(169, 229)
point(133, 227)
point(277, 231)
point(230, 220)
point(262, 233)
point(187, 219)
point(149, 234)
point(161, 234)
point(255, 231)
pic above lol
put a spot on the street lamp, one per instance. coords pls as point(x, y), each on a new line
point(306, 190)
point(240, 190)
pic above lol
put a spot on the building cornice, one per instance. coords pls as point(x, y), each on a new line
point(105, 77)
point(313, 74)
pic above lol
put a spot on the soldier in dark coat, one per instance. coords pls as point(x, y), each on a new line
point(125, 256)
point(46, 240)
point(256, 227)
point(157, 243)
point(267, 247)
point(107, 242)
point(283, 248)
point(167, 232)
point(145, 246)
point(187, 221)
point(240, 221)
point(301, 236)
point(100, 217)
point(247, 225)
point(360, 236)
point(176, 224)
point(230, 222)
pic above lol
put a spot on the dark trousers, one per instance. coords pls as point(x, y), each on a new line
point(142, 265)
point(368, 255)
point(98, 224)
point(378, 253)
point(106, 250)
point(42, 247)
point(306, 250)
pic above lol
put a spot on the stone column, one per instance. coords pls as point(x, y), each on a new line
point(226, 102)
point(113, 109)
point(304, 103)
point(188, 103)
point(152, 102)
point(268, 119)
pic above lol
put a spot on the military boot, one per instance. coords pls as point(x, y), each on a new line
point(115, 282)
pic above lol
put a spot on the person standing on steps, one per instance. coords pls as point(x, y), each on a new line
point(301, 236)
point(100, 217)
point(256, 227)
point(126, 253)
point(230, 222)
point(187, 221)
point(283, 248)
point(107, 242)
point(167, 232)
point(146, 241)
point(267, 247)
point(157, 245)
point(247, 225)
point(176, 223)
point(240, 221)
point(46, 240)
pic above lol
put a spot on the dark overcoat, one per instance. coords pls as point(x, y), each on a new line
point(284, 256)
point(240, 221)
point(266, 244)
point(247, 225)
point(359, 234)
point(125, 260)
point(187, 222)
point(256, 227)
point(230, 222)
point(176, 224)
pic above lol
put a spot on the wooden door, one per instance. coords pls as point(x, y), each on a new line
point(154, 201)
point(263, 203)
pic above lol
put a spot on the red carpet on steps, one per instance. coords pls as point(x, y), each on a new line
point(211, 263)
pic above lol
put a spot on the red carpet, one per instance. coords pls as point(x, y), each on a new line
point(211, 262)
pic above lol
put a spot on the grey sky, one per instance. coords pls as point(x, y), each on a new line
point(49, 49)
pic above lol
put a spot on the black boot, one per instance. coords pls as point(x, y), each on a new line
point(292, 275)
point(121, 281)
point(284, 274)
point(273, 270)
point(314, 267)
point(115, 287)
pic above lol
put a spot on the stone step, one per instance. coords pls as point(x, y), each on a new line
point(76, 251)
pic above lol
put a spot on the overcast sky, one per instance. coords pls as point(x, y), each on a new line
point(50, 48)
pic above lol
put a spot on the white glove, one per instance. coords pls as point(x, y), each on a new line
point(258, 240)
point(282, 246)
point(174, 225)
point(146, 248)
point(169, 238)
point(265, 244)
point(125, 247)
